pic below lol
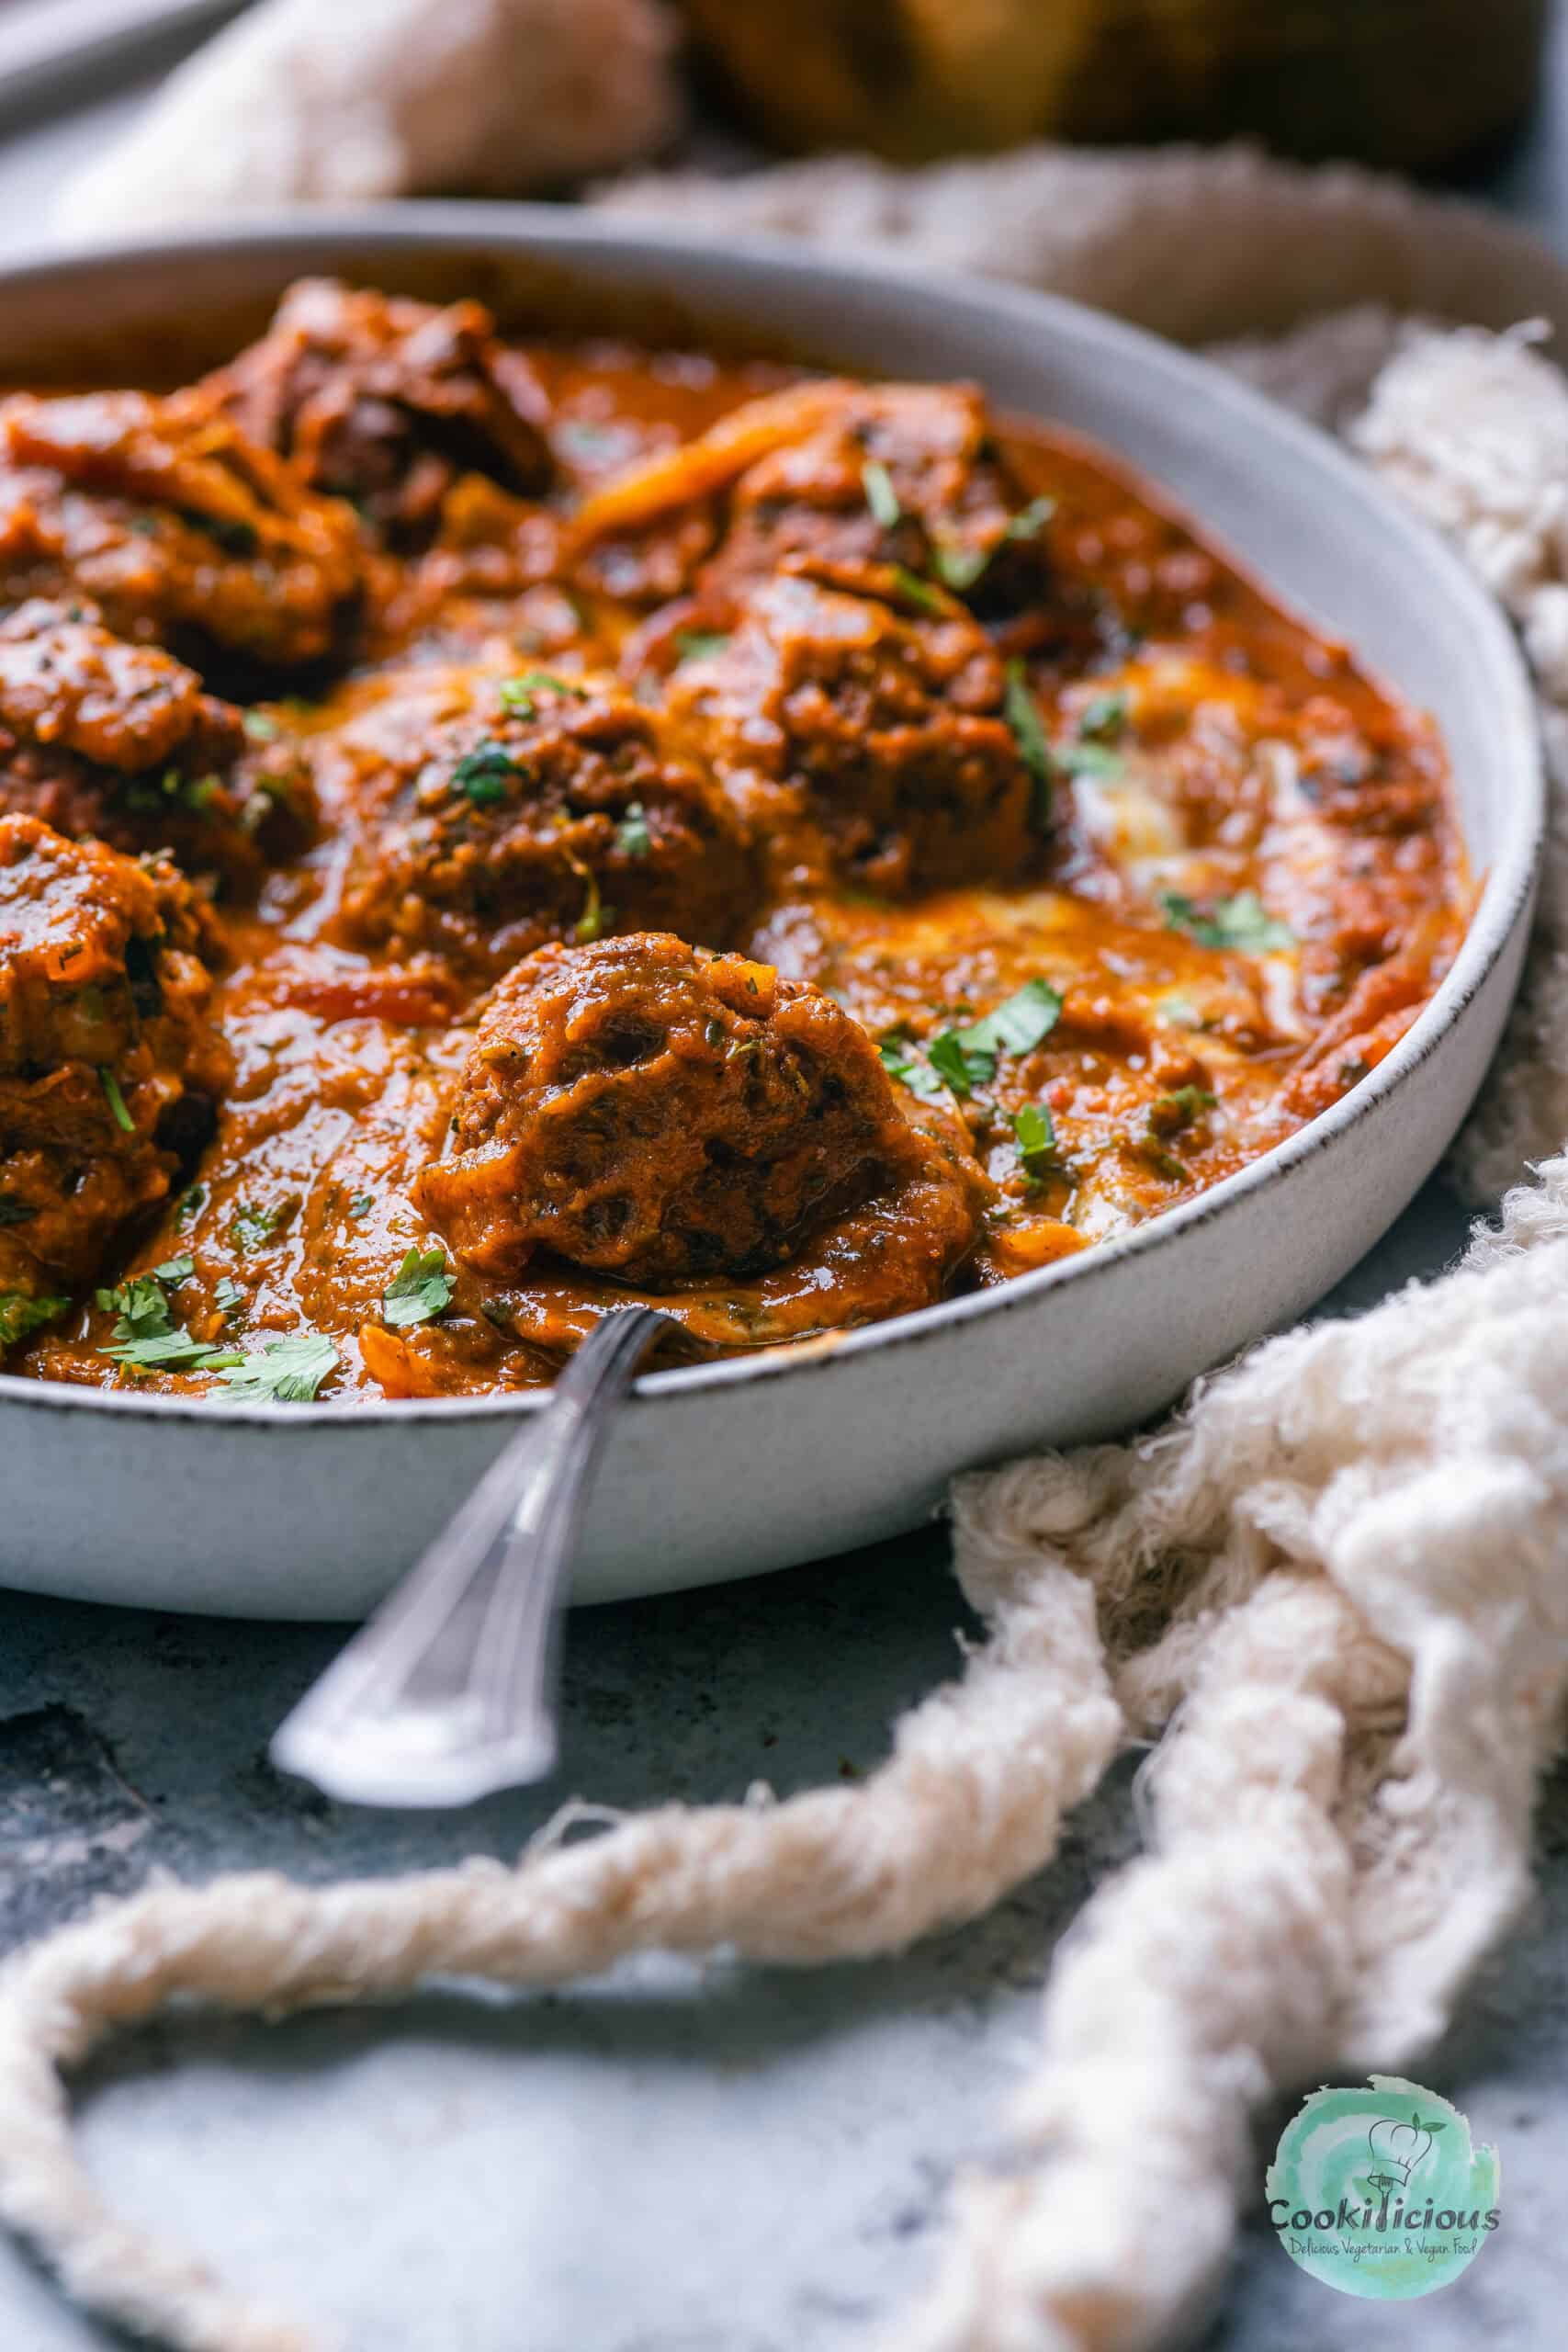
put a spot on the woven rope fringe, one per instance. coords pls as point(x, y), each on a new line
point(970, 1802)
point(1341, 1577)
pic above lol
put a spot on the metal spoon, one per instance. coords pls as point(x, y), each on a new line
point(448, 1691)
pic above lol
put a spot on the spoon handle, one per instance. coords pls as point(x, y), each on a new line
point(448, 1691)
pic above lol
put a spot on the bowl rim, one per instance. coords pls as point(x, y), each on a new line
point(1505, 895)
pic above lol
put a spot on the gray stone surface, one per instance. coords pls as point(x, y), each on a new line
point(675, 2159)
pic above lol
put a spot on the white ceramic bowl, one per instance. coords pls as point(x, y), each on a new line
point(726, 1469)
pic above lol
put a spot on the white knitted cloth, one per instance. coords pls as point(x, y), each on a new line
point(1340, 1577)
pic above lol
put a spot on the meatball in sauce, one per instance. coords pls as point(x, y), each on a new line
point(490, 830)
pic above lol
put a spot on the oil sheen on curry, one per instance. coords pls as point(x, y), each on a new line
point(491, 831)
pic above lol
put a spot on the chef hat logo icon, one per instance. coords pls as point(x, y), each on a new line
point(1399, 2148)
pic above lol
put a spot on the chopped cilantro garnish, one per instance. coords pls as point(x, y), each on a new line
point(519, 695)
point(880, 494)
point(918, 592)
point(190, 1203)
point(1180, 1106)
point(1164, 1163)
point(963, 1060)
point(918, 1076)
point(952, 1064)
point(1018, 1025)
point(1088, 759)
point(1036, 1138)
point(261, 727)
point(172, 790)
point(1022, 716)
point(591, 923)
point(286, 1372)
point(970, 1056)
point(421, 1290)
point(362, 1204)
point(115, 1100)
point(142, 1307)
point(1242, 922)
point(696, 644)
point(957, 567)
point(229, 1297)
point(485, 774)
point(252, 1227)
point(170, 1351)
point(1106, 717)
point(632, 836)
point(144, 1337)
point(1030, 520)
point(18, 1316)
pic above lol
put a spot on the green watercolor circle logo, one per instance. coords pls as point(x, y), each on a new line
point(1378, 2191)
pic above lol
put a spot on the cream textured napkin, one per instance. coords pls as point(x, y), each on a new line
point(342, 101)
point(1339, 1580)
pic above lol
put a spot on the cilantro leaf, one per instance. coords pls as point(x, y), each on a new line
point(1022, 716)
point(170, 1351)
point(252, 1227)
point(485, 774)
point(1018, 1025)
point(260, 726)
point(915, 591)
point(116, 1101)
point(421, 1290)
point(632, 836)
point(361, 1203)
point(1088, 759)
point(1242, 922)
point(1180, 1107)
point(142, 1307)
point(592, 923)
point(229, 1297)
point(286, 1372)
point(880, 494)
point(144, 1337)
point(172, 789)
point(958, 566)
point(18, 1316)
point(520, 695)
point(966, 1058)
point(1181, 1011)
point(950, 1061)
point(697, 644)
point(919, 1077)
point(1035, 1137)
point(1030, 520)
point(1106, 717)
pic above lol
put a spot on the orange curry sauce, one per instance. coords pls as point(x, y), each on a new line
point(1055, 872)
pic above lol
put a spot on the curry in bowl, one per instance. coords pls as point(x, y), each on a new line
point(491, 831)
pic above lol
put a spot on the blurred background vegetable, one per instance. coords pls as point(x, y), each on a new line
point(1410, 83)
